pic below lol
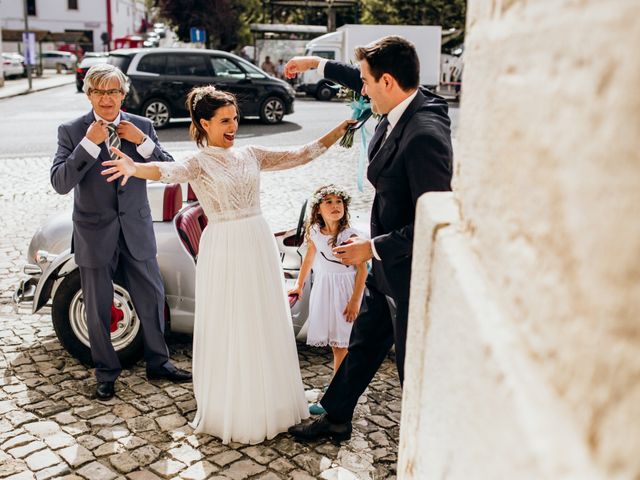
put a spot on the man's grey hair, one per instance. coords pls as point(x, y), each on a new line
point(98, 77)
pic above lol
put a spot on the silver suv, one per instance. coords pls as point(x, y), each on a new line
point(57, 59)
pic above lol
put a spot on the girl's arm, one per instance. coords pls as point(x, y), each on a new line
point(167, 172)
point(353, 307)
point(305, 268)
point(281, 159)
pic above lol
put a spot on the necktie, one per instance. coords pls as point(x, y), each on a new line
point(378, 137)
point(114, 140)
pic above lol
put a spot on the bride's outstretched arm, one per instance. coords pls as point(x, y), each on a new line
point(281, 159)
point(125, 167)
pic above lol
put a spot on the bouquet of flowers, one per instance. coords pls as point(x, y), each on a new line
point(361, 107)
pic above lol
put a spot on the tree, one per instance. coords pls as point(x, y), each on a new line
point(225, 21)
point(447, 13)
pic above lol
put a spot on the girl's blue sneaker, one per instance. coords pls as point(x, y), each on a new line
point(316, 409)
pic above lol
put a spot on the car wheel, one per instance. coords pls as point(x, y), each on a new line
point(70, 322)
point(157, 111)
point(324, 92)
point(272, 110)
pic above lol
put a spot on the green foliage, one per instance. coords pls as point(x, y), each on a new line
point(225, 21)
point(447, 13)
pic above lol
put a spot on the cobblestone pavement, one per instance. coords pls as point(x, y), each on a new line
point(50, 427)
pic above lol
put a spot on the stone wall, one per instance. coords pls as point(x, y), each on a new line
point(538, 276)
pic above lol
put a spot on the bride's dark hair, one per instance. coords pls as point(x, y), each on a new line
point(202, 103)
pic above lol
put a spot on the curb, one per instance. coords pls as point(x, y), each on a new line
point(35, 89)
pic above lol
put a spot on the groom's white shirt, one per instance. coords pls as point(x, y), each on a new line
point(145, 149)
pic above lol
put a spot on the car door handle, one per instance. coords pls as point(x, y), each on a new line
point(177, 83)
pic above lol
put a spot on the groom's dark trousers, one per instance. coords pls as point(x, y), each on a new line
point(112, 230)
point(415, 158)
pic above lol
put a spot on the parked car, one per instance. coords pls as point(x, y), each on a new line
point(54, 280)
point(151, 40)
point(95, 54)
point(59, 59)
point(162, 78)
point(86, 63)
point(13, 65)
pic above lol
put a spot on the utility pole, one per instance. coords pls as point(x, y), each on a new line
point(26, 29)
point(331, 16)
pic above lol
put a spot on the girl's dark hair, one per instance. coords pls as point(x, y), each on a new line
point(316, 219)
point(207, 101)
point(393, 55)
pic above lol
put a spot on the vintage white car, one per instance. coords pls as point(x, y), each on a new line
point(54, 280)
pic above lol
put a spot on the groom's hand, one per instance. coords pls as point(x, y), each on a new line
point(300, 64)
point(354, 251)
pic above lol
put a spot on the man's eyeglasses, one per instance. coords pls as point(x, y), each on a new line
point(114, 92)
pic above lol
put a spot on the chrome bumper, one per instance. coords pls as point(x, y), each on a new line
point(25, 291)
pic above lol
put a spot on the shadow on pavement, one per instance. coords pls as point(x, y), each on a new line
point(178, 130)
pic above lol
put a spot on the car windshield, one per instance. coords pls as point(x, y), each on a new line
point(252, 70)
point(90, 61)
point(120, 61)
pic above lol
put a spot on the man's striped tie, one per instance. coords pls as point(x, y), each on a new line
point(114, 140)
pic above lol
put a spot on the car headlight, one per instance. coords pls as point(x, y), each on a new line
point(290, 90)
point(43, 257)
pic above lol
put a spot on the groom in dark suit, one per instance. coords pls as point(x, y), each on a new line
point(409, 154)
point(112, 227)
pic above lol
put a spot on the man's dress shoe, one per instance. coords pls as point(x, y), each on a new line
point(175, 375)
point(320, 428)
point(105, 390)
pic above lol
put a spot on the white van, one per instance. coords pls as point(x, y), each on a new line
point(340, 45)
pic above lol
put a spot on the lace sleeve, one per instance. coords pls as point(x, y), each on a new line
point(179, 172)
point(281, 159)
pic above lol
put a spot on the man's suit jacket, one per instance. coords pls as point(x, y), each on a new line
point(415, 158)
point(102, 210)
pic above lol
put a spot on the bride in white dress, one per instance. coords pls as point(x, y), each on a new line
point(246, 375)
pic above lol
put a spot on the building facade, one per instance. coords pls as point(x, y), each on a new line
point(94, 18)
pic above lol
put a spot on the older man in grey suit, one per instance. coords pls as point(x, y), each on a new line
point(112, 227)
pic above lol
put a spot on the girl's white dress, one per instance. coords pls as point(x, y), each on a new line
point(246, 375)
point(333, 285)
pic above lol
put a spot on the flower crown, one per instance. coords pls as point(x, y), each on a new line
point(201, 94)
point(329, 190)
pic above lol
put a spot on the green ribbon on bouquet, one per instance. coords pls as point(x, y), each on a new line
point(360, 111)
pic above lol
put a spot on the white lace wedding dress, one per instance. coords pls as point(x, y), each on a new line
point(246, 375)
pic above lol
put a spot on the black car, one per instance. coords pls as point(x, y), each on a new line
point(87, 62)
point(162, 78)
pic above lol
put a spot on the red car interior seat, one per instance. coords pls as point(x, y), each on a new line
point(190, 223)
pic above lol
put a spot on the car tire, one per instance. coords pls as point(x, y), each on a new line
point(272, 110)
point(69, 323)
point(324, 92)
point(158, 111)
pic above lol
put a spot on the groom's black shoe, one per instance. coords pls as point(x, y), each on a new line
point(105, 390)
point(174, 374)
point(320, 428)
